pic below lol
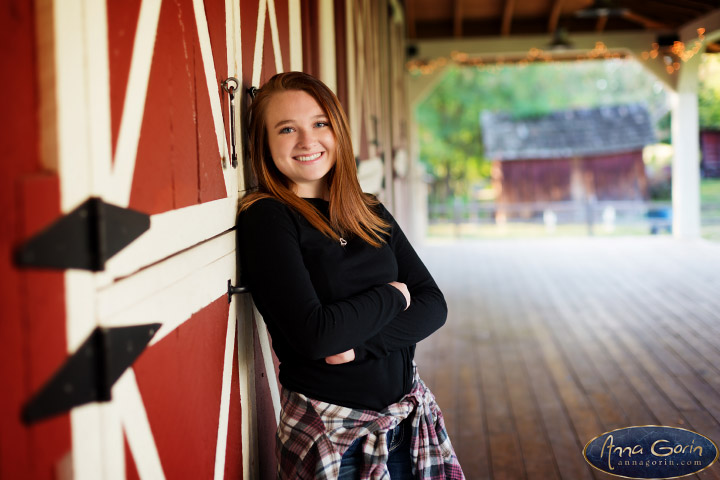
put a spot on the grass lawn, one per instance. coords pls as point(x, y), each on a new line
point(526, 230)
point(710, 190)
point(710, 204)
point(710, 219)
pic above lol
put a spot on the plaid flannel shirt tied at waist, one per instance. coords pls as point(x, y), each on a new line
point(313, 435)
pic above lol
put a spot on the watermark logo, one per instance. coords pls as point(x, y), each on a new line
point(651, 452)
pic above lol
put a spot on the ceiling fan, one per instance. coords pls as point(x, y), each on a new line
point(603, 9)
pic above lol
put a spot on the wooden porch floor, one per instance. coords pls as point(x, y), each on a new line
point(550, 343)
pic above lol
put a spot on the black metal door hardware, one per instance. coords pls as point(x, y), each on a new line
point(89, 374)
point(230, 85)
point(232, 290)
point(84, 238)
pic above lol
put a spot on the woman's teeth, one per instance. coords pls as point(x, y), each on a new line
point(307, 158)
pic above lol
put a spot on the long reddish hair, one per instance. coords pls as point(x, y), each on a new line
point(351, 211)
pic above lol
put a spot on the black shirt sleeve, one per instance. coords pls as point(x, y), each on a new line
point(273, 268)
point(427, 311)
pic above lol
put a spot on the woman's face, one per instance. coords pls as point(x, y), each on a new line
point(302, 143)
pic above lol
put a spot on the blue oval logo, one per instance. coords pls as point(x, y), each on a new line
point(651, 452)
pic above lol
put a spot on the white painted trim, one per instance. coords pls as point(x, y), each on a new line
point(686, 147)
point(269, 7)
point(79, 307)
point(177, 303)
point(296, 53)
point(221, 446)
point(134, 105)
point(259, 41)
point(328, 63)
point(74, 169)
point(230, 40)
point(87, 442)
point(170, 233)
point(113, 443)
point(151, 281)
point(246, 372)
point(73, 58)
point(98, 95)
point(268, 362)
point(214, 91)
point(275, 35)
point(136, 425)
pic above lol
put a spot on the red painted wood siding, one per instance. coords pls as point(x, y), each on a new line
point(614, 177)
point(177, 161)
point(32, 306)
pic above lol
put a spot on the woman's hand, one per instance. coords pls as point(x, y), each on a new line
point(404, 290)
point(341, 358)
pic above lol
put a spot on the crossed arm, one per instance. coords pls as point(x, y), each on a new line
point(375, 322)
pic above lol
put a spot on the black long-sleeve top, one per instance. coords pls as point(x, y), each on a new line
point(320, 298)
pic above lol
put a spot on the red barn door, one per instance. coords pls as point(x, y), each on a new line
point(129, 113)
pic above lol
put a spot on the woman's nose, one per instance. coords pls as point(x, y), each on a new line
point(306, 138)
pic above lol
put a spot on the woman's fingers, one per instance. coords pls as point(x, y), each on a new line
point(340, 358)
point(404, 290)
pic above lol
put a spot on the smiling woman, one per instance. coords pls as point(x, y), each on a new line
point(344, 295)
point(301, 141)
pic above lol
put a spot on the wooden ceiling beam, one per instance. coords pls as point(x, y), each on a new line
point(554, 16)
point(669, 8)
point(646, 22)
point(457, 19)
point(507, 17)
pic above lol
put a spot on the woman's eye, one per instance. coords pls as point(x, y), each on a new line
point(321, 124)
point(286, 130)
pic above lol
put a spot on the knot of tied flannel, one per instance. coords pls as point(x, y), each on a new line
point(313, 436)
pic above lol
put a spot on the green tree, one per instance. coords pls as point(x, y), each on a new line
point(449, 126)
point(709, 91)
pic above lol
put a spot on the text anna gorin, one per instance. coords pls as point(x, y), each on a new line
point(651, 452)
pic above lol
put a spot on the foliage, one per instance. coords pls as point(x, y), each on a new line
point(709, 92)
point(449, 126)
point(710, 191)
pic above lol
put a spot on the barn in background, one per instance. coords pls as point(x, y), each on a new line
point(568, 155)
point(710, 153)
point(123, 355)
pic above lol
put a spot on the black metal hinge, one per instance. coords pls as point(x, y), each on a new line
point(84, 238)
point(89, 374)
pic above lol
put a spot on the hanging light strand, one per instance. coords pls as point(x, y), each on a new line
point(672, 56)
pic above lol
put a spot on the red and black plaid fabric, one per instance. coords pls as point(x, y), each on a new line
point(313, 435)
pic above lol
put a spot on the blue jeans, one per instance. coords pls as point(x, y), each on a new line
point(399, 462)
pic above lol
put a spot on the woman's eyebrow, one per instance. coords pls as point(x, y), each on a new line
point(282, 122)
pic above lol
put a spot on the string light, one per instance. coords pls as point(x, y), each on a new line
point(677, 51)
point(672, 56)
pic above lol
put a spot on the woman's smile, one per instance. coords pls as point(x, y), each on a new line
point(308, 158)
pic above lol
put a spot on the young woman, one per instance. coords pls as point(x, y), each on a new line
point(344, 295)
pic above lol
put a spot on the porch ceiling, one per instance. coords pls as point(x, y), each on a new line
point(431, 19)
